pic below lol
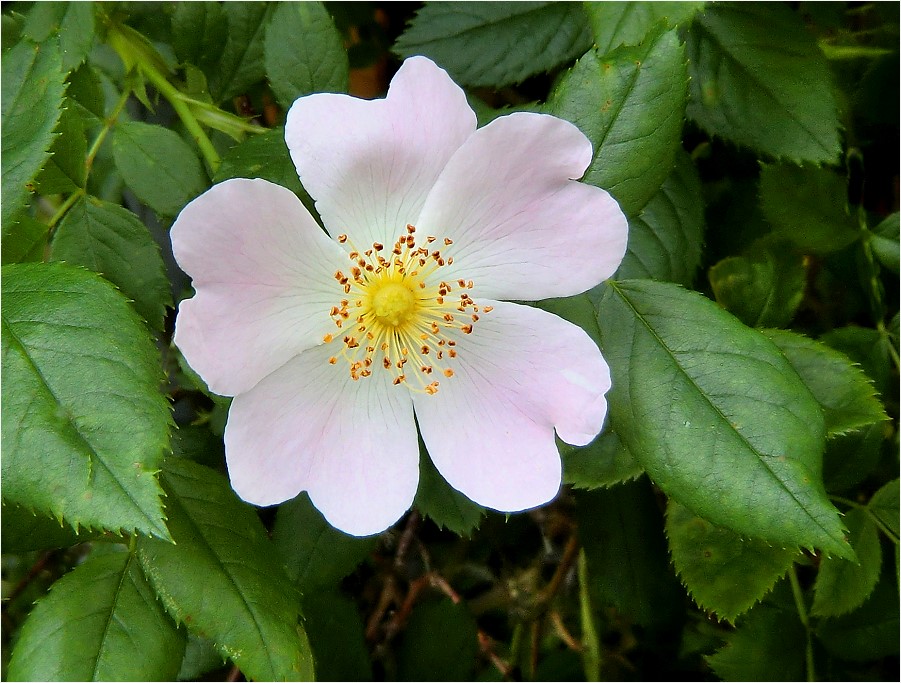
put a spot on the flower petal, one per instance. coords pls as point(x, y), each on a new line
point(370, 164)
point(308, 426)
point(263, 274)
point(490, 428)
point(521, 227)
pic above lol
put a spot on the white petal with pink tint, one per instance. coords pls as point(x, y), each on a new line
point(309, 427)
point(522, 227)
point(370, 164)
point(263, 272)
point(490, 428)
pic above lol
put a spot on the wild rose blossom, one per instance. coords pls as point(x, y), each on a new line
point(336, 345)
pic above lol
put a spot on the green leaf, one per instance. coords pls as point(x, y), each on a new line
point(85, 430)
point(884, 506)
point(316, 555)
point(241, 64)
point(665, 238)
point(221, 576)
point(442, 503)
point(160, 167)
point(65, 171)
point(496, 43)
point(620, 530)
point(807, 206)
point(112, 241)
point(32, 98)
point(845, 393)
point(763, 287)
point(617, 23)
point(723, 572)
point(24, 239)
point(439, 643)
point(24, 531)
point(851, 457)
point(841, 585)
point(335, 630)
point(86, 90)
point(768, 645)
point(73, 22)
point(716, 415)
point(629, 103)
point(100, 622)
point(759, 79)
point(200, 658)
point(884, 242)
point(604, 462)
point(304, 52)
point(872, 349)
point(199, 33)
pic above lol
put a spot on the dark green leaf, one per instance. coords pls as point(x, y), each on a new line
point(100, 622)
point(316, 555)
point(222, 579)
point(335, 630)
point(24, 239)
point(241, 65)
point(842, 585)
point(72, 21)
point(304, 52)
point(443, 504)
point(86, 90)
point(439, 643)
point(872, 349)
point(160, 167)
point(65, 171)
point(200, 658)
point(620, 529)
point(629, 103)
point(665, 238)
point(759, 79)
point(768, 645)
point(23, 531)
point(851, 457)
point(32, 98)
point(884, 506)
point(604, 462)
point(807, 206)
point(716, 415)
point(85, 430)
point(763, 287)
point(617, 23)
point(845, 393)
point(723, 572)
point(496, 43)
point(112, 241)
point(199, 33)
point(884, 242)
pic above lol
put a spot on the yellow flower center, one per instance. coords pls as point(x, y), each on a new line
point(399, 314)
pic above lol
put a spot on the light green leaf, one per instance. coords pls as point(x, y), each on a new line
point(884, 242)
point(304, 52)
point(65, 171)
point(73, 22)
point(160, 167)
point(807, 206)
point(716, 415)
point(442, 503)
point(620, 530)
point(630, 105)
point(884, 506)
point(241, 64)
point(335, 630)
point(723, 572)
point(764, 286)
point(24, 531)
point(100, 622)
point(24, 239)
point(665, 238)
point(496, 43)
point(841, 585)
point(199, 33)
point(845, 393)
point(617, 23)
point(768, 645)
point(439, 643)
point(316, 555)
point(112, 241)
point(85, 429)
point(759, 79)
point(32, 98)
point(222, 578)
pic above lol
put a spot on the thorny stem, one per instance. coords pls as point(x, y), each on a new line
point(802, 615)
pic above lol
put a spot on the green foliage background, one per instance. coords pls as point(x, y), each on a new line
point(738, 518)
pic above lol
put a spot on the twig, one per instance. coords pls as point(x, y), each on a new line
point(563, 632)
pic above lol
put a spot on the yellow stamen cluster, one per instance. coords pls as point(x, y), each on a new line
point(399, 314)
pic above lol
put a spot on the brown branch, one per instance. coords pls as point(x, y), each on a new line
point(563, 632)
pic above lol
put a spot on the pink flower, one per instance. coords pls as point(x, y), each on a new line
point(331, 344)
